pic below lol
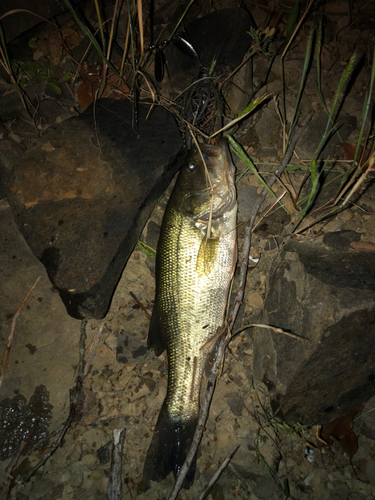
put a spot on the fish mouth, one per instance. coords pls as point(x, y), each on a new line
point(219, 209)
point(223, 191)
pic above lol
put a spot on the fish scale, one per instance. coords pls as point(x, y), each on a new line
point(193, 275)
point(188, 302)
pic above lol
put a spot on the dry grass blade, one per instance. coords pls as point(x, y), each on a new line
point(270, 208)
point(236, 120)
point(140, 23)
point(5, 360)
point(15, 11)
point(181, 19)
point(359, 181)
point(112, 30)
point(280, 330)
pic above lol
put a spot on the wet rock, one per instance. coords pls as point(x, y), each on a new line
point(22, 422)
point(83, 192)
point(221, 36)
point(327, 297)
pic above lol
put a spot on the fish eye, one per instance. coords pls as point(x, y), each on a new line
point(191, 166)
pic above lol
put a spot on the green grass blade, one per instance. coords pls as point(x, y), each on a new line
point(238, 150)
point(292, 22)
point(97, 8)
point(319, 38)
point(365, 110)
point(314, 189)
point(5, 52)
point(90, 36)
point(306, 64)
point(343, 81)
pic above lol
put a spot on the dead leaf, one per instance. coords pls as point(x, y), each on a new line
point(92, 77)
point(365, 157)
point(340, 429)
point(363, 246)
point(57, 43)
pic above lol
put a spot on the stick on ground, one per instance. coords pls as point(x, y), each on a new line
point(114, 487)
point(4, 362)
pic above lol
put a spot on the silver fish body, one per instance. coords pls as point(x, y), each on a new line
point(196, 257)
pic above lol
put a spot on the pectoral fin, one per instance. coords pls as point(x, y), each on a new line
point(155, 339)
point(207, 256)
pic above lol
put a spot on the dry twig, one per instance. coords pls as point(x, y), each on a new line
point(218, 473)
point(5, 360)
point(114, 487)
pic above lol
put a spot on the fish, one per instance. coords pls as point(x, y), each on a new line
point(195, 261)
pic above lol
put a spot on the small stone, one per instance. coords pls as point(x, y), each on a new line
point(65, 477)
point(95, 438)
point(104, 453)
point(76, 472)
point(67, 493)
point(254, 300)
point(360, 488)
point(113, 412)
point(89, 460)
point(236, 405)
point(346, 215)
point(265, 488)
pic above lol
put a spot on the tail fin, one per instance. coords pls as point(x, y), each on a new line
point(168, 449)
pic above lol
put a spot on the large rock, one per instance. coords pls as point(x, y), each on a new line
point(327, 297)
point(83, 192)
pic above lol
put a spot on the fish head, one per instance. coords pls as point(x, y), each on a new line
point(205, 183)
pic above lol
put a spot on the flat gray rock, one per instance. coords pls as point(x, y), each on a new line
point(328, 298)
point(83, 192)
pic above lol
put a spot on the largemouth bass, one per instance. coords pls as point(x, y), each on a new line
point(195, 261)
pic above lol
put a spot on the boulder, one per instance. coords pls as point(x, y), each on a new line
point(327, 298)
point(82, 193)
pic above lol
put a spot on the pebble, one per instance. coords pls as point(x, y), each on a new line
point(95, 438)
point(254, 300)
point(65, 477)
point(90, 460)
